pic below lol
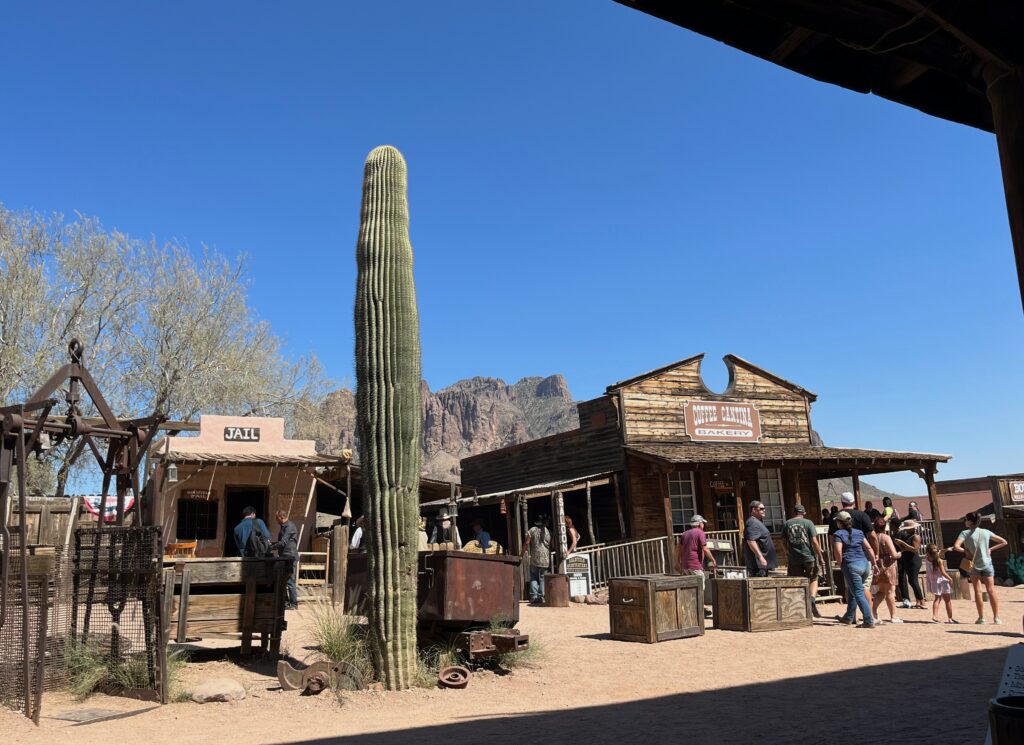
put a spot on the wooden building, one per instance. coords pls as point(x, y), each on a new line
point(200, 484)
point(659, 447)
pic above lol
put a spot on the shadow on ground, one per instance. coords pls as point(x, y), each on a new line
point(941, 701)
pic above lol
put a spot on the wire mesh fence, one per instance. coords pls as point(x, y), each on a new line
point(115, 593)
point(24, 635)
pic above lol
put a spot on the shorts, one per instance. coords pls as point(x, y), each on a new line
point(869, 581)
point(984, 572)
point(810, 571)
point(964, 573)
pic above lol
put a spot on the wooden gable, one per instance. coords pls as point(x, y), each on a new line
point(653, 405)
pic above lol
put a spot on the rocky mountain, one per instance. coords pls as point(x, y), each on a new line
point(469, 417)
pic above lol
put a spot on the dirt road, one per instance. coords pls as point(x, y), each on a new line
point(898, 683)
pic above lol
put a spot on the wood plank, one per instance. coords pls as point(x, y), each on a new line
point(226, 606)
point(182, 603)
point(248, 615)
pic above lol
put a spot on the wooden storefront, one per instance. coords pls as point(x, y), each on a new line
point(671, 448)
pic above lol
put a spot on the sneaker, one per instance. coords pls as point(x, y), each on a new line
point(895, 620)
point(980, 620)
point(815, 612)
point(845, 621)
point(904, 604)
point(865, 625)
point(997, 622)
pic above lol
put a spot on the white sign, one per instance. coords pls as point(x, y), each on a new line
point(241, 434)
point(577, 566)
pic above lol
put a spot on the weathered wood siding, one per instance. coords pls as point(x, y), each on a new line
point(647, 497)
point(580, 452)
point(653, 407)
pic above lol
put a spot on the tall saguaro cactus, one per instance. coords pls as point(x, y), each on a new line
point(389, 419)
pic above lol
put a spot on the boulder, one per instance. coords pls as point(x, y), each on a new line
point(218, 690)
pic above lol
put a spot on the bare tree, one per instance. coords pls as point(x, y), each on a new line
point(164, 330)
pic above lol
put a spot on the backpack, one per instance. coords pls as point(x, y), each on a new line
point(258, 545)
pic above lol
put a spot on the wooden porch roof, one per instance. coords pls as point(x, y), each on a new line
point(824, 459)
point(921, 54)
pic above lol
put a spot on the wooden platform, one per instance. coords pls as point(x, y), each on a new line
point(227, 598)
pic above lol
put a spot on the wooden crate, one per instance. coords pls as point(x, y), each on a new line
point(655, 607)
point(761, 603)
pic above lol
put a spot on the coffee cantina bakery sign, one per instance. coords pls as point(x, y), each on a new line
point(241, 434)
point(722, 421)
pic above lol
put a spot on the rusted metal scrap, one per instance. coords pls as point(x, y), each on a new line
point(455, 676)
point(319, 676)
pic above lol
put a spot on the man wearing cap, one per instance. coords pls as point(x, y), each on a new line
point(758, 547)
point(863, 523)
point(693, 550)
point(804, 553)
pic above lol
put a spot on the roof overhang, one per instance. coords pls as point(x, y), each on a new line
point(926, 55)
point(251, 459)
point(529, 492)
point(827, 460)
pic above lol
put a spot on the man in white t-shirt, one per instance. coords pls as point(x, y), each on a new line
point(978, 544)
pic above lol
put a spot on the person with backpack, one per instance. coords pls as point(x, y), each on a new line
point(804, 553)
point(252, 539)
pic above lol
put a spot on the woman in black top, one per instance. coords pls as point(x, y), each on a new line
point(908, 542)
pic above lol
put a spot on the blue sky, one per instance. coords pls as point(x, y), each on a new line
point(593, 192)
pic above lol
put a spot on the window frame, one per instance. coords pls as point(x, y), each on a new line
point(773, 497)
point(212, 519)
point(677, 497)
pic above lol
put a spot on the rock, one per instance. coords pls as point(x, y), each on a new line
point(218, 690)
point(1009, 582)
point(578, 598)
point(596, 600)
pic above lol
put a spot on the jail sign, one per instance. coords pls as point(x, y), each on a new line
point(241, 434)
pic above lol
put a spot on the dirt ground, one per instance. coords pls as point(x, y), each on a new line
point(916, 681)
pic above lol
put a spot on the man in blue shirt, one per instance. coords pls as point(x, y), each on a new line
point(483, 538)
point(244, 528)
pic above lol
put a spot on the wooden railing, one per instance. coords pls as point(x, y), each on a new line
point(627, 559)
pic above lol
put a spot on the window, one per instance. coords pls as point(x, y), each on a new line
point(769, 490)
point(681, 498)
point(197, 519)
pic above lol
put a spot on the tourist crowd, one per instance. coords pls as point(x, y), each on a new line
point(878, 552)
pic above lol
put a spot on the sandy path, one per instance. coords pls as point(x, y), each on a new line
point(919, 680)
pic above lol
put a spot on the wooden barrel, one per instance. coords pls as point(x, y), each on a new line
point(556, 590)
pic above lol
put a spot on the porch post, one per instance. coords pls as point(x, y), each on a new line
point(590, 517)
point(933, 499)
point(855, 477)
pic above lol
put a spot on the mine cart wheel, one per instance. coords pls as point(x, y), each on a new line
point(453, 677)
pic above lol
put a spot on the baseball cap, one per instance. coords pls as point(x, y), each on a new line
point(697, 520)
point(844, 516)
point(847, 497)
point(799, 508)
